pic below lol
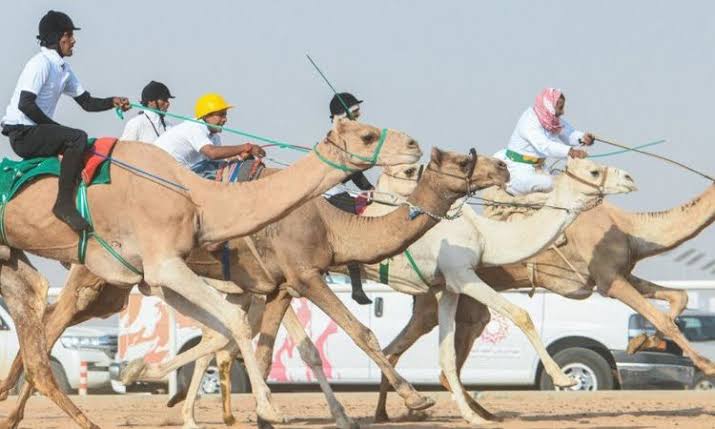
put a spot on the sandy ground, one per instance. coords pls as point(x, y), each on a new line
point(533, 410)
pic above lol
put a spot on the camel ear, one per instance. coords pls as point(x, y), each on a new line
point(339, 124)
point(437, 156)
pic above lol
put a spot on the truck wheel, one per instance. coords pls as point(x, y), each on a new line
point(589, 368)
point(210, 381)
point(703, 382)
point(60, 377)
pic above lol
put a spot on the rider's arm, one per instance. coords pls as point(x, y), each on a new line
point(92, 104)
point(548, 145)
point(361, 181)
point(569, 135)
point(28, 106)
point(214, 152)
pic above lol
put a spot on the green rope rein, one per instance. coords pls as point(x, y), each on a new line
point(618, 152)
point(283, 145)
point(83, 207)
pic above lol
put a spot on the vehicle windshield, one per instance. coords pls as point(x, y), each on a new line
point(698, 328)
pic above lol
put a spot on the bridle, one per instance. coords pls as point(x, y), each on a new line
point(600, 187)
point(372, 160)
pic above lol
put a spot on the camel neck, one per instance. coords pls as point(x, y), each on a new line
point(371, 239)
point(657, 232)
point(237, 209)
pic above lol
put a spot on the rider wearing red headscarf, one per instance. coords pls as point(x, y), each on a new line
point(541, 133)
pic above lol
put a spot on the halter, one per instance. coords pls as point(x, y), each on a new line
point(415, 210)
point(342, 167)
point(600, 187)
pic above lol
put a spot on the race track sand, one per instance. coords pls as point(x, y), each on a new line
point(520, 410)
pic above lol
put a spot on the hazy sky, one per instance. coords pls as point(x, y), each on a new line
point(451, 74)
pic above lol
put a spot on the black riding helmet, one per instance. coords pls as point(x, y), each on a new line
point(336, 106)
point(52, 26)
point(155, 91)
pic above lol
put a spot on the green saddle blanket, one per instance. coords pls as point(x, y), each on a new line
point(15, 174)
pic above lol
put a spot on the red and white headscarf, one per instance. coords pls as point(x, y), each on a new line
point(545, 109)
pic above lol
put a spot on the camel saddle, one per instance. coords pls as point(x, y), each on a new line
point(15, 174)
point(501, 205)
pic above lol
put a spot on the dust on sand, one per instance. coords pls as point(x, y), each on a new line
point(520, 410)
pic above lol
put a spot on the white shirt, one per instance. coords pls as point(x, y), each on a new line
point(145, 127)
point(530, 138)
point(48, 76)
point(185, 141)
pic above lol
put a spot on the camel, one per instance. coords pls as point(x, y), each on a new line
point(450, 176)
point(163, 224)
point(602, 247)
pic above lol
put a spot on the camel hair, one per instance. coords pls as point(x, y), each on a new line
point(602, 248)
point(155, 226)
point(447, 180)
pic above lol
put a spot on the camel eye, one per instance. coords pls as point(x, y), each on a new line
point(369, 138)
point(463, 164)
point(595, 173)
point(409, 172)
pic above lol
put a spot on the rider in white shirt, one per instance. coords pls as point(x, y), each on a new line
point(198, 145)
point(29, 119)
point(540, 134)
point(148, 125)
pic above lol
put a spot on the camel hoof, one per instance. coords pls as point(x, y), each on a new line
point(262, 424)
point(418, 402)
point(381, 416)
point(132, 371)
point(636, 343)
point(229, 420)
point(190, 425)
point(565, 381)
point(177, 398)
point(346, 423)
point(270, 415)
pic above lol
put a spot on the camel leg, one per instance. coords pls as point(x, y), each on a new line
point(423, 320)
point(190, 296)
point(25, 292)
point(472, 318)
point(677, 300)
point(470, 285)
point(224, 360)
point(310, 355)
point(187, 411)
point(277, 304)
point(623, 291)
point(319, 293)
point(448, 302)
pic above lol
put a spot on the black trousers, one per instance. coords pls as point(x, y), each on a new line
point(30, 141)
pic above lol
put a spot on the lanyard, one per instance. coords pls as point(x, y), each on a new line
point(151, 123)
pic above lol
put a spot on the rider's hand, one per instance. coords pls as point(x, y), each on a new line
point(257, 151)
point(122, 103)
point(577, 153)
point(587, 139)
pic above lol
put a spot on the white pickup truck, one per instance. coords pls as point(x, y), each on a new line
point(92, 342)
point(587, 338)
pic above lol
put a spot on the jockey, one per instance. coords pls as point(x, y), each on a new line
point(147, 126)
point(28, 120)
point(343, 200)
point(198, 145)
point(540, 134)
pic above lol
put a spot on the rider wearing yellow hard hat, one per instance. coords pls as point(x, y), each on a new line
point(198, 145)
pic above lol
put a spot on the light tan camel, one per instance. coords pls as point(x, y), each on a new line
point(155, 226)
point(293, 259)
point(603, 245)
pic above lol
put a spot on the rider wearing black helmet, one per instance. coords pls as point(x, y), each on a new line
point(28, 120)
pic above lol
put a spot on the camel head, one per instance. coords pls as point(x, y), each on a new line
point(360, 146)
point(593, 180)
point(451, 171)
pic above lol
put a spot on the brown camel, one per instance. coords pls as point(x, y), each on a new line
point(294, 261)
point(161, 225)
point(603, 245)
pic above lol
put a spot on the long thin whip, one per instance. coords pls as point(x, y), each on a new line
point(662, 158)
point(325, 78)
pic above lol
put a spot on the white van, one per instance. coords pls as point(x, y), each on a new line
point(94, 342)
point(587, 338)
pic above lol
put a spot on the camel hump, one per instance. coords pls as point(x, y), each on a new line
point(501, 205)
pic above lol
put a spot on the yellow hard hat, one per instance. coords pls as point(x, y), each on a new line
point(209, 103)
